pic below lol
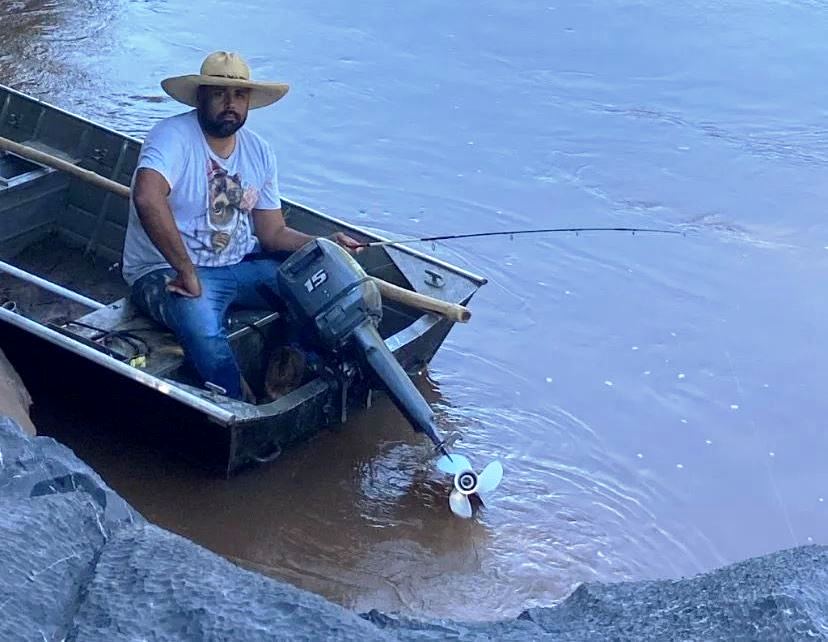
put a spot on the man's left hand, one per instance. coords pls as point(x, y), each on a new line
point(350, 244)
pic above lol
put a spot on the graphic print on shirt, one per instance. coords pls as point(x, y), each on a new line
point(229, 204)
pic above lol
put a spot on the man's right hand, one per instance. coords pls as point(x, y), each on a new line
point(185, 284)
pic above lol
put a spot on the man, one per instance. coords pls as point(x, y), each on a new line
point(205, 204)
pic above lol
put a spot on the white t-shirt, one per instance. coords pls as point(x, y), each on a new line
point(211, 198)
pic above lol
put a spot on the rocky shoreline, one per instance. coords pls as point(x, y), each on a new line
point(78, 563)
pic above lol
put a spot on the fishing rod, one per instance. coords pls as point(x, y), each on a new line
point(576, 230)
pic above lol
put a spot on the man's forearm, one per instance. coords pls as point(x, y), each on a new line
point(285, 240)
point(158, 222)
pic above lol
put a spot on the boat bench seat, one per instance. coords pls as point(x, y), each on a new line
point(121, 326)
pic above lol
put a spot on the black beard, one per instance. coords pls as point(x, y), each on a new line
point(219, 128)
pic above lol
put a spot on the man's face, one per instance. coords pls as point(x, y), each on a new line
point(222, 110)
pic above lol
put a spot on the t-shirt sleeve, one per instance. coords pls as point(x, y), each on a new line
point(163, 151)
point(269, 197)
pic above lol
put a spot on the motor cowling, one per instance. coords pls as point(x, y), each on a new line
point(328, 293)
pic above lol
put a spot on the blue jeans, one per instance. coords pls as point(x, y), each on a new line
point(199, 323)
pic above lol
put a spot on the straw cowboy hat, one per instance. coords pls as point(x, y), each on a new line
point(223, 69)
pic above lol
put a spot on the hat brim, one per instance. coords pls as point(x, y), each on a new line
point(184, 89)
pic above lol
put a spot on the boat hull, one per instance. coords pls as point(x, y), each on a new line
point(68, 235)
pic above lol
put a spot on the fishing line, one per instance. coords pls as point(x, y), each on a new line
point(511, 233)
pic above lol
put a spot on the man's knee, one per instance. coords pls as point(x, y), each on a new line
point(148, 293)
point(192, 317)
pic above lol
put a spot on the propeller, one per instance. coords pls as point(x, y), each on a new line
point(467, 482)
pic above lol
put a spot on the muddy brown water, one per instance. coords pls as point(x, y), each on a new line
point(657, 402)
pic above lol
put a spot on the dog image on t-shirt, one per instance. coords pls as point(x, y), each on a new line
point(225, 206)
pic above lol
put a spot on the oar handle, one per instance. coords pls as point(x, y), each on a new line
point(390, 291)
point(451, 311)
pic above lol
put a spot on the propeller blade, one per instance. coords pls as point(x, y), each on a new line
point(490, 477)
point(453, 464)
point(460, 504)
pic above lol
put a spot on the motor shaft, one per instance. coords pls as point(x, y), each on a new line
point(397, 383)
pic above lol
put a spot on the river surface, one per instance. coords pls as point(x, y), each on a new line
point(658, 402)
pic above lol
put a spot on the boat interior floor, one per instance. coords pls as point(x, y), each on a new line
point(54, 260)
point(119, 328)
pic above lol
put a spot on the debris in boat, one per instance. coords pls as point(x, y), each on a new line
point(175, 350)
point(285, 371)
point(138, 362)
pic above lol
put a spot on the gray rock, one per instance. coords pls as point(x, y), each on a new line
point(77, 563)
point(56, 515)
point(154, 585)
point(49, 551)
point(783, 596)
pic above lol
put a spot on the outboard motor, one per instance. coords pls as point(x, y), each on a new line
point(338, 305)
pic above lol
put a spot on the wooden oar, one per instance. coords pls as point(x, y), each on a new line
point(64, 166)
point(452, 311)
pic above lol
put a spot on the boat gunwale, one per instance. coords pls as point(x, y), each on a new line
point(214, 410)
point(476, 278)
